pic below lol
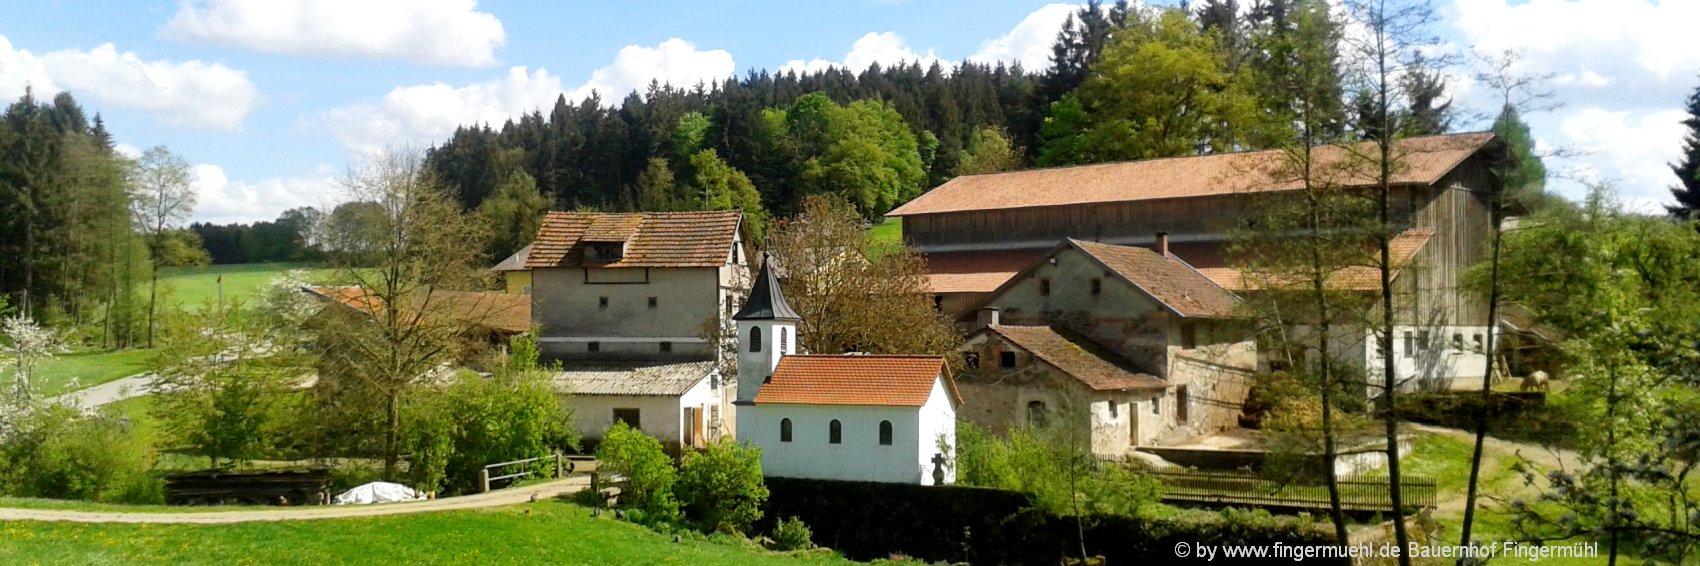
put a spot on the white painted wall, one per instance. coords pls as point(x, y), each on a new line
point(659, 416)
point(860, 457)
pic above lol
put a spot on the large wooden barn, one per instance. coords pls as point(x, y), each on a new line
point(978, 231)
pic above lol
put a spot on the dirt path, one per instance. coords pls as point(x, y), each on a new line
point(109, 392)
point(508, 496)
point(1494, 451)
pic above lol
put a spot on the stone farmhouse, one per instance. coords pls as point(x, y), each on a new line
point(1149, 346)
point(841, 417)
point(979, 231)
point(623, 300)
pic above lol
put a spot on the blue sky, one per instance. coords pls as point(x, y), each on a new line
point(272, 100)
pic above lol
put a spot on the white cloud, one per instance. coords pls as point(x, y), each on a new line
point(1621, 69)
point(1029, 43)
point(223, 201)
point(885, 48)
point(431, 32)
point(421, 115)
point(675, 61)
point(190, 93)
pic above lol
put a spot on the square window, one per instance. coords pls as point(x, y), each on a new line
point(1458, 340)
point(652, 302)
point(602, 302)
point(593, 346)
point(1097, 285)
point(1189, 335)
point(666, 346)
point(1410, 344)
point(1045, 287)
point(971, 360)
point(1422, 340)
point(631, 417)
point(1156, 406)
point(1006, 359)
point(1477, 338)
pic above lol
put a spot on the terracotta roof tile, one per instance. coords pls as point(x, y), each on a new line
point(495, 311)
point(1169, 279)
point(1403, 248)
point(1079, 357)
point(855, 379)
point(1425, 160)
point(976, 272)
point(652, 239)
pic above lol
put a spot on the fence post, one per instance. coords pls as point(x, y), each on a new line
point(484, 480)
point(557, 465)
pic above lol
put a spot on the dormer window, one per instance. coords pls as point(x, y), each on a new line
point(604, 252)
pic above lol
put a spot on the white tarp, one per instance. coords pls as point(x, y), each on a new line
point(378, 492)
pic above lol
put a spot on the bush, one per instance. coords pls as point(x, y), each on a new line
point(62, 454)
point(1038, 462)
point(792, 534)
point(722, 486)
point(453, 434)
point(648, 471)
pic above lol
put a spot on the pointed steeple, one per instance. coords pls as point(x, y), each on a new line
point(767, 301)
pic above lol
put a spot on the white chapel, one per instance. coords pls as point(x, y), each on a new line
point(851, 417)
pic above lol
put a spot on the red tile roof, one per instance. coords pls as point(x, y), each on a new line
point(1079, 357)
point(495, 311)
point(1424, 161)
point(976, 272)
point(652, 239)
point(1402, 248)
point(1167, 279)
point(855, 379)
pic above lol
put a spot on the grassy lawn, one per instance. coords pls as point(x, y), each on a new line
point(1447, 460)
point(88, 369)
point(546, 532)
point(197, 286)
point(888, 232)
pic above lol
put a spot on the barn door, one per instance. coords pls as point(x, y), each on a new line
point(697, 438)
point(690, 427)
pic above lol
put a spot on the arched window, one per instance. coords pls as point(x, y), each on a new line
point(784, 430)
point(885, 433)
point(835, 432)
point(784, 338)
point(755, 339)
point(1036, 413)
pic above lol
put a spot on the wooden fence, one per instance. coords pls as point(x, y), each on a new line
point(1357, 493)
point(564, 464)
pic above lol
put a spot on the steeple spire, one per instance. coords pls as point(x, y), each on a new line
point(766, 301)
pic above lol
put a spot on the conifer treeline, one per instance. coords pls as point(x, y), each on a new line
point(67, 248)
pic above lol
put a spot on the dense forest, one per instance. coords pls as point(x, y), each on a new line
point(1125, 83)
point(67, 243)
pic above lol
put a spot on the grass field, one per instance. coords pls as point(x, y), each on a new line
point(546, 532)
point(888, 232)
point(87, 368)
point(197, 286)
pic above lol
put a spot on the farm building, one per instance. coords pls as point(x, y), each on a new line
point(978, 231)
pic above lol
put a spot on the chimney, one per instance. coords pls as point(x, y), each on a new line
point(1163, 243)
point(987, 316)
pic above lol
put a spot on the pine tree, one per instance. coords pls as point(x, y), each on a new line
point(1687, 192)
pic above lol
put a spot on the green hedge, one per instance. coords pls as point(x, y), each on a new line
point(867, 521)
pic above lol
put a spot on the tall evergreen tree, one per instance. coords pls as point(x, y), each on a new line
point(1687, 189)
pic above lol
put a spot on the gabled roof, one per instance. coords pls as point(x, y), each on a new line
point(856, 379)
point(976, 272)
point(1166, 278)
point(514, 262)
point(651, 239)
point(1402, 248)
point(766, 300)
point(632, 378)
point(495, 311)
point(1424, 161)
point(1078, 356)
